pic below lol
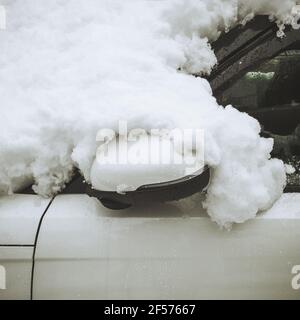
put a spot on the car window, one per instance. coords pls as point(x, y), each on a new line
point(270, 92)
point(275, 83)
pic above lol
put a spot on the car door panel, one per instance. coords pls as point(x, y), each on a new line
point(19, 218)
point(85, 251)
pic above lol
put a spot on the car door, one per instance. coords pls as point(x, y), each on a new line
point(169, 251)
point(259, 73)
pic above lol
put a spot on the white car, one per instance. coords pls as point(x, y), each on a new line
point(72, 247)
point(159, 252)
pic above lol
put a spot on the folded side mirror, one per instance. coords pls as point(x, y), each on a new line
point(151, 193)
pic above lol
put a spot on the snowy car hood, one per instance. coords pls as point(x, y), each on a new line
point(19, 218)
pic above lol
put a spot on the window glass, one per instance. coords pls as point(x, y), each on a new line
point(274, 83)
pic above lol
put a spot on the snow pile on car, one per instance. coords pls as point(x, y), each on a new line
point(69, 68)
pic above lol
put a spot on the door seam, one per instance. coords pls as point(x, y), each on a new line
point(35, 246)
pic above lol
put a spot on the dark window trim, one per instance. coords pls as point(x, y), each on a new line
point(230, 43)
point(247, 54)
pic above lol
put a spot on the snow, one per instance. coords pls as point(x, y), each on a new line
point(69, 68)
point(144, 159)
point(287, 207)
point(289, 169)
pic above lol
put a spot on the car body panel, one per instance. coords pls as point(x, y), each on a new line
point(17, 263)
point(164, 252)
point(19, 218)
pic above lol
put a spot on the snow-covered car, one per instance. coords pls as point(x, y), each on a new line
point(72, 247)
